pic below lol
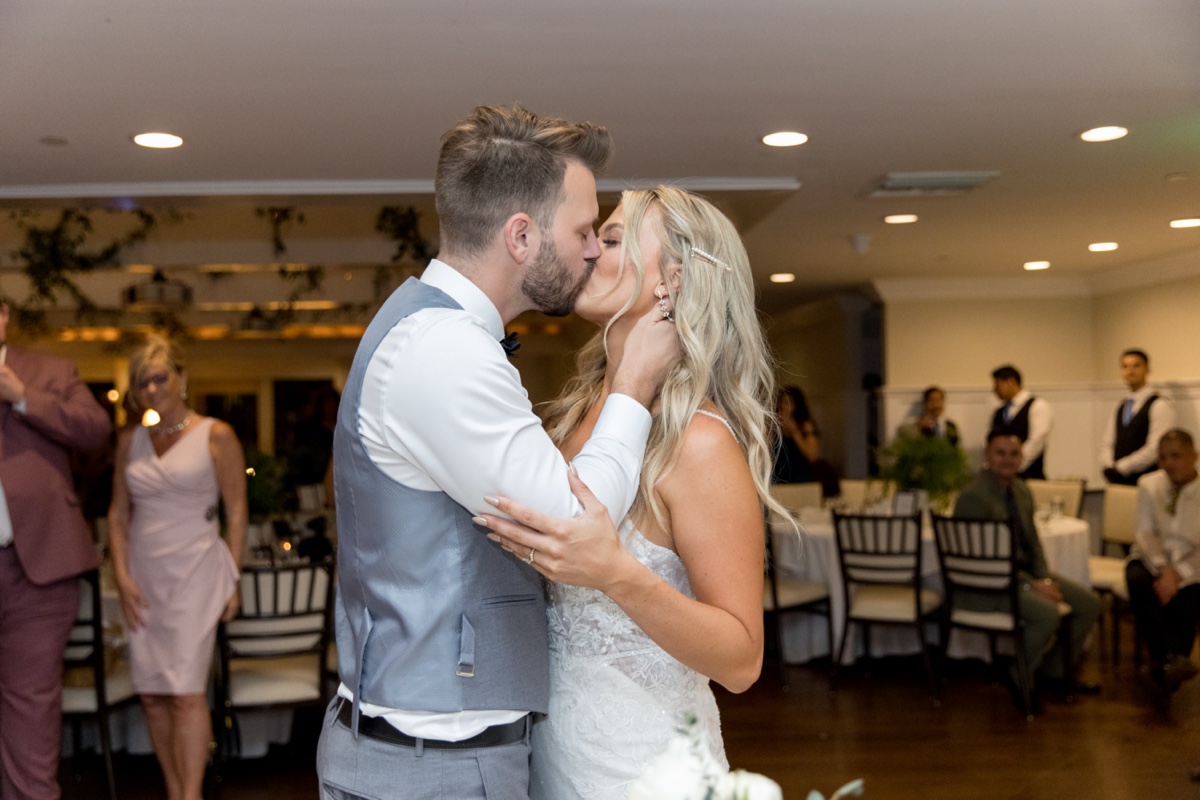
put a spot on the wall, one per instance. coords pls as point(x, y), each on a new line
point(1064, 333)
point(957, 333)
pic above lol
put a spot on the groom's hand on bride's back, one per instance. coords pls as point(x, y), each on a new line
point(583, 551)
point(651, 351)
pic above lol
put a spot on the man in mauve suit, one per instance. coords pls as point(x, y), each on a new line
point(46, 411)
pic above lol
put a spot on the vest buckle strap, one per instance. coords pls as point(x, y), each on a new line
point(466, 653)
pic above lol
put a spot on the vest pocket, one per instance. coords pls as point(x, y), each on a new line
point(509, 600)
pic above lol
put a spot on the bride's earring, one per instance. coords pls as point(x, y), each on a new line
point(661, 294)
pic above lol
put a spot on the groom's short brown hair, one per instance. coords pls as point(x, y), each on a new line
point(502, 160)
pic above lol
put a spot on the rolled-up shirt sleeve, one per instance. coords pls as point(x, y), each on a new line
point(453, 407)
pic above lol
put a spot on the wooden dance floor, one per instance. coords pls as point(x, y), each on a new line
point(879, 726)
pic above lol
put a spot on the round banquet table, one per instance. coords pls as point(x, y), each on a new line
point(812, 556)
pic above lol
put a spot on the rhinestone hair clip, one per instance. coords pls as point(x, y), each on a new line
point(710, 258)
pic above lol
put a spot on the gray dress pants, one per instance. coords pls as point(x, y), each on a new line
point(350, 768)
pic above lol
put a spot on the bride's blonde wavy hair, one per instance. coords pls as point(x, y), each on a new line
point(724, 354)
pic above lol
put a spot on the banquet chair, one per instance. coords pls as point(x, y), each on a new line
point(1069, 492)
point(273, 653)
point(979, 557)
point(783, 594)
point(1107, 572)
point(880, 562)
point(99, 688)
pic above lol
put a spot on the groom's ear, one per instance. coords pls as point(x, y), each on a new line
point(521, 237)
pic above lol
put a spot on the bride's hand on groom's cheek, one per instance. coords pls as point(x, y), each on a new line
point(651, 351)
point(584, 551)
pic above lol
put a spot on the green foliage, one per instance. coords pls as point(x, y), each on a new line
point(402, 226)
point(280, 217)
point(51, 255)
point(265, 484)
point(915, 461)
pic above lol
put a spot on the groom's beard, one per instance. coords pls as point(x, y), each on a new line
point(548, 284)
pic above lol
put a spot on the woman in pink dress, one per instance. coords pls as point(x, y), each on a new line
point(176, 576)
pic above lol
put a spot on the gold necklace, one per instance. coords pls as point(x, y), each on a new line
point(180, 426)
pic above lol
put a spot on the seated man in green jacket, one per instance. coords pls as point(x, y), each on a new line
point(997, 493)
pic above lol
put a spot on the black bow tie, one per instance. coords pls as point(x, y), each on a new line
point(511, 344)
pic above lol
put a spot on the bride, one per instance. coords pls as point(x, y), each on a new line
point(679, 600)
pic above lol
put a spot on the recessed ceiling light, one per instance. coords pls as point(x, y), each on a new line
point(161, 141)
point(1185, 223)
point(782, 277)
point(1106, 133)
point(1102, 247)
point(1036, 265)
point(785, 139)
point(900, 219)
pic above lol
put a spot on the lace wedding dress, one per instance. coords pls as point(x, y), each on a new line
point(616, 698)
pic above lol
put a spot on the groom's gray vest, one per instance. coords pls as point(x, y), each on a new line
point(431, 615)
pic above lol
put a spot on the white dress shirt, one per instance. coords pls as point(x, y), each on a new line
point(1041, 420)
point(442, 409)
point(1163, 537)
point(1162, 419)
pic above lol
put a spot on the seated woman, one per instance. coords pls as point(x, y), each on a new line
point(798, 448)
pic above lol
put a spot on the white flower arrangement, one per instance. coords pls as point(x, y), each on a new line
point(687, 771)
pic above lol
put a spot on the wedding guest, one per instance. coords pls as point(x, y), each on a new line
point(797, 455)
point(998, 492)
point(932, 421)
point(1027, 417)
point(1130, 446)
point(46, 412)
point(175, 575)
point(1163, 573)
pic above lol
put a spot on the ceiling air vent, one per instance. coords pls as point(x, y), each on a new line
point(158, 293)
point(929, 184)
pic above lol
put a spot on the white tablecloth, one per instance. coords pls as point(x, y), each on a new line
point(813, 556)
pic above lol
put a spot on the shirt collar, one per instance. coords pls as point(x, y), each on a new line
point(441, 275)
point(1020, 398)
point(1142, 394)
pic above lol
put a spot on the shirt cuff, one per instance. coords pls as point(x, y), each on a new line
point(624, 419)
point(21, 407)
point(1185, 570)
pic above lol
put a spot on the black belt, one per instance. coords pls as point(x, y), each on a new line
point(378, 728)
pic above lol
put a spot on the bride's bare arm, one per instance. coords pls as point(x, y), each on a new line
point(716, 524)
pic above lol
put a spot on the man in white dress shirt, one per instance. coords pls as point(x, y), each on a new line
point(439, 412)
point(1022, 415)
point(1130, 446)
point(1163, 572)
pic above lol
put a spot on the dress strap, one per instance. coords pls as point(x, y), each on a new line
point(720, 419)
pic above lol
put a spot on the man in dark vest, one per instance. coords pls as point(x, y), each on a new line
point(1027, 417)
point(1130, 447)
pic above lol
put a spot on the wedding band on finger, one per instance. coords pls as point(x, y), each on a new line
point(529, 560)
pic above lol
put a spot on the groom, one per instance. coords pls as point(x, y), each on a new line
point(441, 634)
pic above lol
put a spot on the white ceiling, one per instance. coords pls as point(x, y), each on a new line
point(309, 100)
